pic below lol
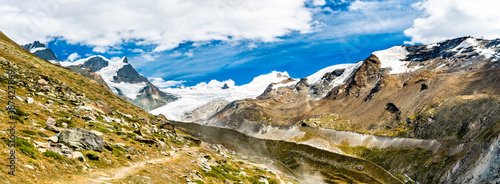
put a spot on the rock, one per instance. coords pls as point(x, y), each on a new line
point(64, 125)
point(79, 156)
point(107, 146)
point(97, 133)
point(42, 81)
point(129, 149)
point(119, 144)
point(195, 140)
point(54, 139)
point(42, 144)
point(88, 118)
point(80, 139)
point(107, 119)
point(92, 156)
point(167, 126)
point(144, 140)
point(30, 100)
point(102, 106)
point(50, 121)
point(54, 128)
point(29, 167)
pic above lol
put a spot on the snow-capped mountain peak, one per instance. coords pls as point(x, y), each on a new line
point(196, 96)
point(41, 51)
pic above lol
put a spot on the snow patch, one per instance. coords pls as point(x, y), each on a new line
point(432, 46)
point(276, 86)
point(193, 97)
point(469, 42)
point(316, 77)
point(33, 50)
point(486, 52)
point(128, 90)
point(393, 58)
point(107, 73)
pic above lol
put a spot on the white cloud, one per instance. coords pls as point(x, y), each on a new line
point(164, 22)
point(252, 46)
point(100, 49)
point(445, 19)
point(189, 53)
point(160, 83)
point(136, 50)
point(319, 2)
point(73, 57)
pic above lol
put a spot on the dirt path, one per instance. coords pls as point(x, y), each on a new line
point(109, 175)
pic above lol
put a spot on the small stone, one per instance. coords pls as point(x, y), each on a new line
point(97, 132)
point(50, 121)
point(54, 139)
point(107, 146)
point(119, 144)
point(79, 156)
point(29, 167)
point(64, 125)
point(53, 128)
point(42, 81)
point(30, 100)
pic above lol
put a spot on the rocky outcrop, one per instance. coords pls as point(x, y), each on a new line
point(129, 75)
point(80, 139)
point(95, 64)
point(39, 49)
point(151, 97)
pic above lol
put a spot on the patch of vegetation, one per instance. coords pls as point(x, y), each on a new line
point(26, 148)
point(53, 154)
point(42, 134)
point(92, 155)
point(70, 123)
point(28, 132)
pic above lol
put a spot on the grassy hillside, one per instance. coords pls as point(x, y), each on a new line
point(45, 91)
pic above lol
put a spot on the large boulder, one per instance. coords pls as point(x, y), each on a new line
point(80, 139)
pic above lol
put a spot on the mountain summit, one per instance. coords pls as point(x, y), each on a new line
point(436, 106)
point(41, 51)
point(118, 76)
point(124, 80)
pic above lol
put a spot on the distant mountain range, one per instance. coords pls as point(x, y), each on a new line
point(119, 76)
point(441, 99)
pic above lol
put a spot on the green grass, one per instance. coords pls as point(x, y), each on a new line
point(53, 154)
point(68, 122)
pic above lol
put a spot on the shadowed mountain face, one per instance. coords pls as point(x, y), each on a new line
point(41, 51)
point(447, 92)
point(146, 96)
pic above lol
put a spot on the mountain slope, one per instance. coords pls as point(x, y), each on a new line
point(194, 97)
point(41, 51)
point(69, 127)
point(447, 92)
point(118, 76)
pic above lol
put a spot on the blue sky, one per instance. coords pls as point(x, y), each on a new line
point(189, 42)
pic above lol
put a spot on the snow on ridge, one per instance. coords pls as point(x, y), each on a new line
point(128, 90)
point(33, 50)
point(393, 58)
point(469, 42)
point(316, 77)
point(107, 73)
point(196, 96)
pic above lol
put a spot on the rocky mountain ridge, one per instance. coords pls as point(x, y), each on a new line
point(147, 97)
point(447, 92)
point(41, 51)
